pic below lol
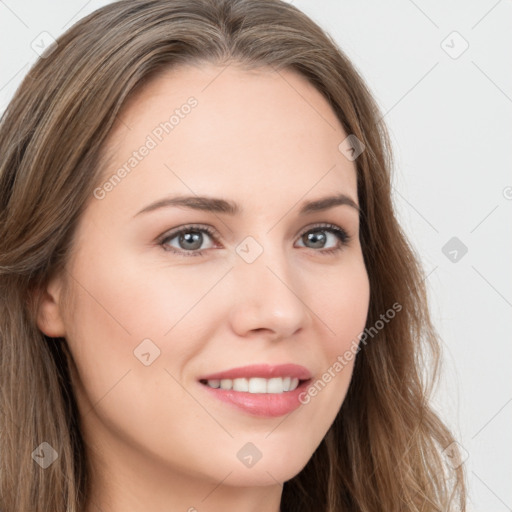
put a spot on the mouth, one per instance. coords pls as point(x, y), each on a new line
point(259, 390)
point(257, 396)
point(274, 385)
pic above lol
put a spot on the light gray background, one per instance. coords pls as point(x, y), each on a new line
point(450, 122)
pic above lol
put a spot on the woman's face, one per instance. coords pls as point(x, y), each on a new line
point(154, 312)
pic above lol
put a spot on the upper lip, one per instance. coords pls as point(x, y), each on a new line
point(266, 371)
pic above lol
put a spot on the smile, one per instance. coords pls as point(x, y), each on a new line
point(255, 384)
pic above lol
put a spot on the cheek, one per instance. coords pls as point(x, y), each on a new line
point(126, 315)
point(128, 300)
point(342, 303)
point(113, 311)
point(115, 308)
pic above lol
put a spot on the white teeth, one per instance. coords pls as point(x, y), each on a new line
point(275, 385)
point(240, 385)
point(226, 383)
point(256, 384)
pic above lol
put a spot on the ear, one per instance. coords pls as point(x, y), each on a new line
point(49, 317)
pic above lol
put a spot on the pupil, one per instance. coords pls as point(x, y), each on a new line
point(317, 238)
point(193, 238)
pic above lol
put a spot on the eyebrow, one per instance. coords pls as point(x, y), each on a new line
point(217, 205)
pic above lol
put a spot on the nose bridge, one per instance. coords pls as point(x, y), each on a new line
point(267, 288)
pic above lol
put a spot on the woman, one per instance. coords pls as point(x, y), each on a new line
point(281, 369)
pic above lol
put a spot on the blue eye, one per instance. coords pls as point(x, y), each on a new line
point(191, 238)
point(336, 232)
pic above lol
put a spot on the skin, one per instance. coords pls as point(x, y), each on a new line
point(156, 439)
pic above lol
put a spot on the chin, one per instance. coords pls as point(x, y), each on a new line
point(271, 469)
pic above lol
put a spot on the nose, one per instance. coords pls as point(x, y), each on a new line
point(269, 296)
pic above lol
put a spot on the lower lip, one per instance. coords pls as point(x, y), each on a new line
point(268, 405)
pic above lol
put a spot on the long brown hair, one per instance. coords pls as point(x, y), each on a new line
point(384, 449)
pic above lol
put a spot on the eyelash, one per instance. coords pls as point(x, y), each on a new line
point(340, 233)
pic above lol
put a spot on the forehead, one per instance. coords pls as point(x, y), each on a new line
point(228, 131)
